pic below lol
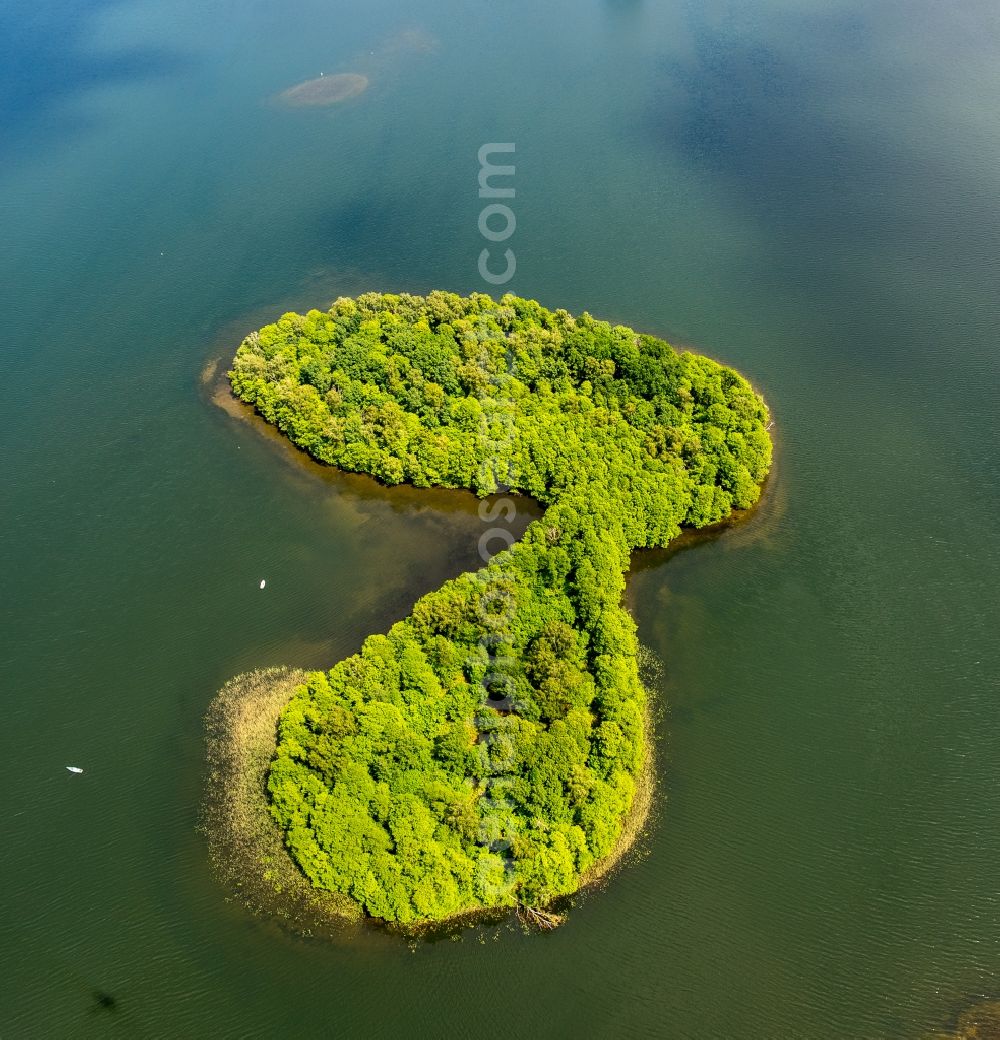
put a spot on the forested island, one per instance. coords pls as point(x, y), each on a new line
point(485, 752)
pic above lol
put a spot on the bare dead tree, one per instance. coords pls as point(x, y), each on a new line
point(543, 919)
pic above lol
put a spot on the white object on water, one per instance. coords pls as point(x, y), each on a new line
point(262, 582)
point(74, 769)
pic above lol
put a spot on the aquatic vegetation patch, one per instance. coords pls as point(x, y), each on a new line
point(979, 1022)
point(486, 751)
point(244, 844)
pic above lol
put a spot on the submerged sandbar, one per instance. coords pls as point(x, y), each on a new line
point(324, 90)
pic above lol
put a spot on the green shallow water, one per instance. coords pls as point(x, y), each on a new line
point(807, 191)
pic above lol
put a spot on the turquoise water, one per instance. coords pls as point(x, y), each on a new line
point(807, 191)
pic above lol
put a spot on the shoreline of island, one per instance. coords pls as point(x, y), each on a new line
point(625, 754)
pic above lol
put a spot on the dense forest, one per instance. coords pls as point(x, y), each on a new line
point(485, 751)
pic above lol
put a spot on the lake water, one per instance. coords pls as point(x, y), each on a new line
point(806, 190)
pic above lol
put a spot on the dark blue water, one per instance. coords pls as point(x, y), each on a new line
point(807, 191)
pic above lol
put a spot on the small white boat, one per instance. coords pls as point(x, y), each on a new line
point(262, 582)
point(74, 769)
